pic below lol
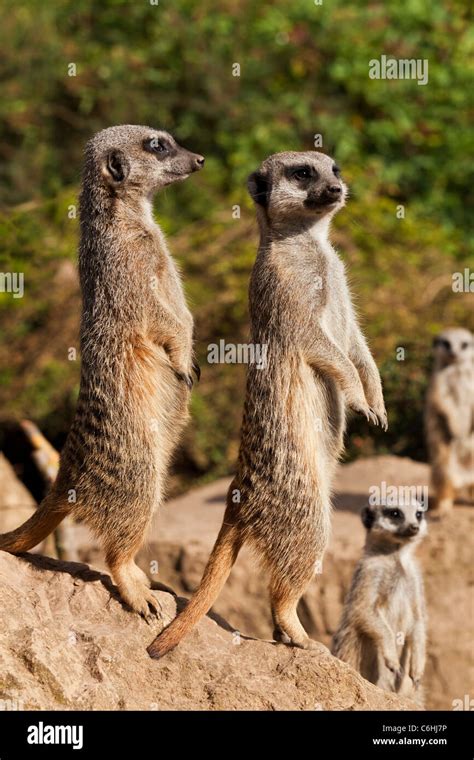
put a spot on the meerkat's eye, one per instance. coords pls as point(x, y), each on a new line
point(395, 513)
point(301, 173)
point(464, 345)
point(155, 145)
point(419, 515)
point(336, 170)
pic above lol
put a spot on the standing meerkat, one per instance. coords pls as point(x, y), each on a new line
point(137, 357)
point(449, 416)
point(317, 365)
point(382, 633)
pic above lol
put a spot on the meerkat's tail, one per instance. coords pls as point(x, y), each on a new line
point(217, 571)
point(46, 518)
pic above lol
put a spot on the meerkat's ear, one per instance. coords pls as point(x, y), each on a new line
point(367, 516)
point(258, 186)
point(116, 167)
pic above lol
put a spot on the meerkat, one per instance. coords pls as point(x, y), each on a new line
point(382, 633)
point(137, 357)
point(317, 365)
point(449, 417)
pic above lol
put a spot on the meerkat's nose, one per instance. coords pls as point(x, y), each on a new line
point(413, 529)
point(199, 161)
point(334, 190)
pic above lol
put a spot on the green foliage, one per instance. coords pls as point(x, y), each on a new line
point(303, 71)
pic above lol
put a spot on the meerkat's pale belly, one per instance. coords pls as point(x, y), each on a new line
point(161, 398)
point(398, 611)
point(316, 413)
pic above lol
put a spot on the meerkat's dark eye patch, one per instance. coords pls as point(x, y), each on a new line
point(336, 170)
point(394, 514)
point(302, 173)
point(464, 345)
point(442, 343)
point(158, 145)
point(419, 515)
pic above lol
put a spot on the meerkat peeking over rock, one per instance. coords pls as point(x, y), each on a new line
point(382, 633)
point(137, 357)
point(317, 367)
point(449, 417)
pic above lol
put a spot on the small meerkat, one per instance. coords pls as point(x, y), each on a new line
point(318, 364)
point(449, 417)
point(137, 357)
point(382, 633)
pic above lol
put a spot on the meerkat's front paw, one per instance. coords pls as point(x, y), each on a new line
point(416, 682)
point(393, 664)
point(182, 365)
point(416, 674)
point(185, 377)
point(381, 414)
point(363, 408)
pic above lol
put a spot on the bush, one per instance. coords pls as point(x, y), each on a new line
point(303, 71)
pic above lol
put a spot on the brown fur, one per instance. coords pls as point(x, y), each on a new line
point(136, 344)
point(317, 364)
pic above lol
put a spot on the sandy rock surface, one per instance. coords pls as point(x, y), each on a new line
point(68, 642)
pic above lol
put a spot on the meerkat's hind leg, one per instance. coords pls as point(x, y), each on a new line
point(287, 626)
point(154, 585)
point(134, 586)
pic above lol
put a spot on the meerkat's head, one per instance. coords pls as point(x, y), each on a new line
point(300, 188)
point(395, 525)
point(453, 346)
point(133, 161)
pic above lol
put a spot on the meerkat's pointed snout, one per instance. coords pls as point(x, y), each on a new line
point(333, 192)
point(198, 161)
point(188, 162)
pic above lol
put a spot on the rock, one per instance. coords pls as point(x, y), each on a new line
point(185, 530)
point(67, 642)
